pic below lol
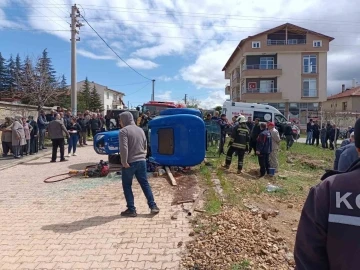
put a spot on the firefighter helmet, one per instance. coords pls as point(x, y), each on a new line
point(241, 119)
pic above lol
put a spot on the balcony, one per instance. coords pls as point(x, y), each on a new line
point(261, 70)
point(251, 94)
point(227, 89)
point(286, 42)
point(236, 79)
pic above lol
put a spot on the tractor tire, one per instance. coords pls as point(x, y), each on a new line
point(114, 159)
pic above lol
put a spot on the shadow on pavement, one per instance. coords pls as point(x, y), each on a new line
point(35, 163)
point(87, 223)
point(80, 166)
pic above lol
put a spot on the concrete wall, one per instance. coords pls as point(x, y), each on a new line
point(289, 83)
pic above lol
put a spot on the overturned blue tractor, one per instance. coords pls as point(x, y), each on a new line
point(177, 137)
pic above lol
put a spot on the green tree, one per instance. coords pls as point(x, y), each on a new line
point(84, 97)
point(45, 66)
point(11, 77)
point(3, 74)
point(218, 108)
point(64, 100)
point(95, 100)
point(18, 71)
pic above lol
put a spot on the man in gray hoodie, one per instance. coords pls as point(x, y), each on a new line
point(133, 147)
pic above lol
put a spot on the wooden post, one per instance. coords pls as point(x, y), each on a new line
point(172, 179)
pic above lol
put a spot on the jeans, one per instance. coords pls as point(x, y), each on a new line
point(41, 138)
point(55, 144)
point(309, 136)
point(264, 164)
point(289, 141)
point(137, 168)
point(73, 142)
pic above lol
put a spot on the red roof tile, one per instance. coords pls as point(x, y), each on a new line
point(347, 93)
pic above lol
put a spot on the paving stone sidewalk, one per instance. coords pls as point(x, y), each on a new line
point(75, 224)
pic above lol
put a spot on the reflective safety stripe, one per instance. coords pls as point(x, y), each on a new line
point(342, 219)
point(238, 145)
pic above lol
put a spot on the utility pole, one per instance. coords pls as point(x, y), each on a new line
point(75, 14)
point(185, 99)
point(153, 91)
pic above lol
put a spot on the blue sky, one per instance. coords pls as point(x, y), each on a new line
point(181, 44)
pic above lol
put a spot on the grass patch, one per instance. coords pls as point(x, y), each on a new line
point(243, 265)
point(213, 203)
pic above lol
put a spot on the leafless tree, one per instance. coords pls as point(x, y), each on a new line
point(37, 86)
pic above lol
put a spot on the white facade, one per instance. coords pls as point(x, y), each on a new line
point(110, 98)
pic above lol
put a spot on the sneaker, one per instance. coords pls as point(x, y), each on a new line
point(74, 154)
point(128, 213)
point(155, 210)
point(68, 155)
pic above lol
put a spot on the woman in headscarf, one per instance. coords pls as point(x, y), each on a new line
point(27, 131)
point(18, 136)
point(6, 136)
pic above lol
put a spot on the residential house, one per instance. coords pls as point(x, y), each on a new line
point(285, 67)
point(348, 100)
point(111, 99)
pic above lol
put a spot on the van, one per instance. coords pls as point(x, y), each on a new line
point(265, 113)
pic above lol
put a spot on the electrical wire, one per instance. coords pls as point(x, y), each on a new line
point(114, 50)
point(138, 89)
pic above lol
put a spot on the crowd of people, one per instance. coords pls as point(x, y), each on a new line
point(247, 136)
point(24, 136)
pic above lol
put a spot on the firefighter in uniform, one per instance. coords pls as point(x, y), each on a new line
point(239, 142)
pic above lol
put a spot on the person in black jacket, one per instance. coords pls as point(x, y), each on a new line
point(254, 135)
point(95, 124)
point(83, 123)
point(224, 124)
point(329, 226)
point(74, 129)
point(239, 142)
point(263, 149)
point(289, 135)
point(309, 131)
point(33, 135)
point(328, 131)
point(333, 137)
point(316, 133)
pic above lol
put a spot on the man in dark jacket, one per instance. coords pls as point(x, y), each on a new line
point(263, 149)
point(33, 136)
point(224, 124)
point(327, 236)
point(254, 135)
point(42, 125)
point(95, 124)
point(289, 135)
point(83, 123)
point(328, 131)
point(333, 137)
point(323, 136)
point(316, 133)
point(239, 142)
point(309, 132)
point(249, 123)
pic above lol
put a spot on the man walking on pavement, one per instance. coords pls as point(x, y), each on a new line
point(133, 148)
point(263, 149)
point(327, 235)
point(239, 142)
point(275, 139)
point(56, 131)
point(42, 125)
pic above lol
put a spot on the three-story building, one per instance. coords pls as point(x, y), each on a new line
point(285, 67)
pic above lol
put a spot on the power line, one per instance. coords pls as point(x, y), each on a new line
point(139, 89)
point(119, 85)
point(113, 50)
point(196, 14)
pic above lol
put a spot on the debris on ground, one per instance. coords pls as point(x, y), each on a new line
point(233, 237)
point(217, 187)
point(186, 189)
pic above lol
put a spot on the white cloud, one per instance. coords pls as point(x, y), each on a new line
point(91, 55)
point(215, 98)
point(163, 96)
point(203, 34)
point(138, 63)
point(167, 78)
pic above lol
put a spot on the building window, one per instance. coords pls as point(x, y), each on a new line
point(309, 64)
point(256, 44)
point(266, 86)
point(107, 107)
point(107, 95)
point(266, 62)
point(344, 106)
point(317, 43)
point(309, 88)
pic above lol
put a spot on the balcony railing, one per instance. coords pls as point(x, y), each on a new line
point(259, 90)
point(286, 42)
point(261, 66)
